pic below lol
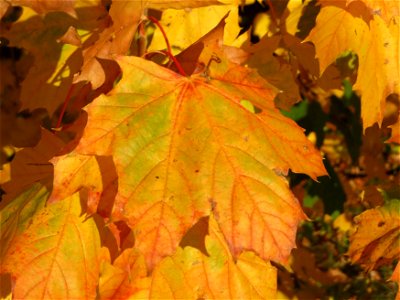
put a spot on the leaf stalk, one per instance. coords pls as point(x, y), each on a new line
point(169, 49)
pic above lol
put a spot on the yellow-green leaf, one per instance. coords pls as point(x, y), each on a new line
point(56, 255)
point(15, 216)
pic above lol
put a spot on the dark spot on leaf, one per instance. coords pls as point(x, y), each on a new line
point(381, 223)
point(197, 171)
point(157, 177)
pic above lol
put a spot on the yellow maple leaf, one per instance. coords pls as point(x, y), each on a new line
point(376, 45)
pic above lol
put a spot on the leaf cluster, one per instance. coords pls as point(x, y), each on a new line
point(171, 149)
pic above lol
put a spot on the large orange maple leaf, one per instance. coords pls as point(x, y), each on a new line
point(187, 147)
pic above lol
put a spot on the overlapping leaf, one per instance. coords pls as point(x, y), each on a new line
point(385, 9)
point(191, 274)
point(114, 40)
point(377, 47)
point(31, 165)
point(16, 216)
point(125, 277)
point(55, 63)
point(162, 151)
point(185, 27)
point(377, 239)
point(54, 251)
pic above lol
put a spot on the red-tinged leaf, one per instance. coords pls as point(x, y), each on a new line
point(118, 281)
point(191, 274)
point(377, 239)
point(377, 47)
point(57, 255)
point(185, 146)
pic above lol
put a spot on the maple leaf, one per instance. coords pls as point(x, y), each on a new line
point(124, 277)
point(276, 72)
point(376, 241)
point(47, 82)
point(295, 9)
point(116, 39)
point(54, 250)
point(15, 216)
point(183, 27)
point(180, 177)
point(100, 180)
point(376, 46)
point(185, 146)
point(190, 273)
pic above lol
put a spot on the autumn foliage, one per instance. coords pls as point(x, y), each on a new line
point(199, 149)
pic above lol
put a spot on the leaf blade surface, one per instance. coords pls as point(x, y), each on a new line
point(56, 256)
point(184, 147)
